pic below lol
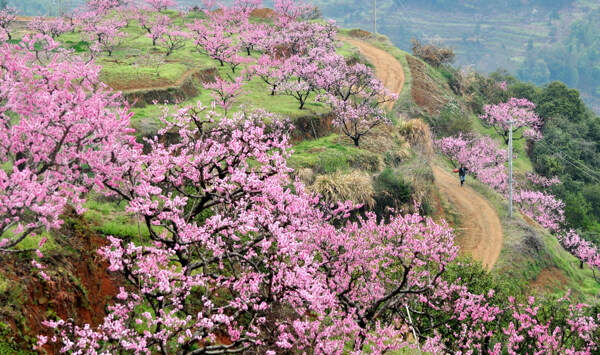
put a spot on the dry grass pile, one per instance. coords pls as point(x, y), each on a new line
point(355, 186)
point(358, 33)
point(418, 174)
point(263, 13)
point(418, 134)
point(385, 143)
point(306, 175)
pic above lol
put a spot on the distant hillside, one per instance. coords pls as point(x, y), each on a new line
point(486, 34)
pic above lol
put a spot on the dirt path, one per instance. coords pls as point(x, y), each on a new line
point(482, 235)
point(387, 67)
point(482, 230)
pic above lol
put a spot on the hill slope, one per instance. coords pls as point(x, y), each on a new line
point(529, 253)
point(482, 237)
point(487, 38)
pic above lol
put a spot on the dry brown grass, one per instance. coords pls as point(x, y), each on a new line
point(434, 53)
point(418, 134)
point(386, 142)
point(306, 175)
point(355, 186)
point(426, 91)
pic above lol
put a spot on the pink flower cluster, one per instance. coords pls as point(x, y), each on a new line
point(518, 111)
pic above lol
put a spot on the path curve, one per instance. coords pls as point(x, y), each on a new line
point(482, 237)
point(387, 68)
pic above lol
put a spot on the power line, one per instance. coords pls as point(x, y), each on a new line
point(582, 168)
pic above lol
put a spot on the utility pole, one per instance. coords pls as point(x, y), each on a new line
point(510, 168)
point(374, 17)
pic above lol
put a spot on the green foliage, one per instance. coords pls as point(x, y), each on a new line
point(479, 281)
point(573, 61)
point(577, 211)
point(391, 190)
point(556, 99)
point(525, 90)
point(9, 344)
point(450, 122)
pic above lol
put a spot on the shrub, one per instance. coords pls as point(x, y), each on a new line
point(392, 191)
point(366, 160)
point(306, 175)
point(432, 53)
point(451, 122)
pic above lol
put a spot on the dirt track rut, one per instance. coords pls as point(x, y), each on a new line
point(387, 68)
point(481, 226)
point(482, 230)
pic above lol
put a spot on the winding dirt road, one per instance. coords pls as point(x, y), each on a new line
point(387, 68)
point(482, 237)
point(481, 226)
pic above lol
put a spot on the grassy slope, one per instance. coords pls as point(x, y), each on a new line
point(517, 260)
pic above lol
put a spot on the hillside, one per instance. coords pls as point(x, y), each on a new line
point(529, 254)
point(200, 231)
point(506, 35)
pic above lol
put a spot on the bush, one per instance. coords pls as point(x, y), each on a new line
point(432, 53)
point(418, 134)
point(391, 191)
point(451, 122)
point(453, 78)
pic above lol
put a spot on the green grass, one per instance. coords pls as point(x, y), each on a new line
point(112, 219)
point(328, 153)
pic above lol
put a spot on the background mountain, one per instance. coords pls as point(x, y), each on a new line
point(540, 41)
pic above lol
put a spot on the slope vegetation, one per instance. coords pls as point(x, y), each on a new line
point(482, 230)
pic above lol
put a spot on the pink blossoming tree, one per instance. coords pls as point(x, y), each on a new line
point(355, 95)
point(159, 5)
point(520, 113)
point(7, 17)
point(50, 27)
point(62, 131)
point(156, 26)
point(226, 93)
point(104, 33)
point(172, 39)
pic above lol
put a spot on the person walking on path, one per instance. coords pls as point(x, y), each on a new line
point(462, 172)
